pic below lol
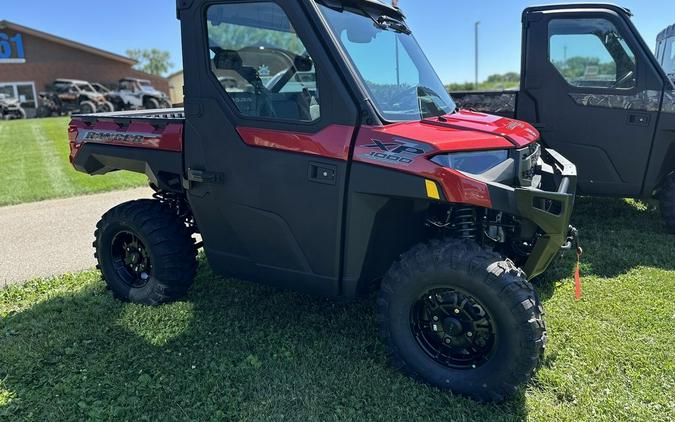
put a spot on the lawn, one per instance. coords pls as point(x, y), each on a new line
point(240, 351)
point(34, 164)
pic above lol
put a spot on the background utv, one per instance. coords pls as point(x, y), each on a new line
point(67, 96)
point(599, 97)
point(304, 163)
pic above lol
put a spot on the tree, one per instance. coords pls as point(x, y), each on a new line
point(154, 61)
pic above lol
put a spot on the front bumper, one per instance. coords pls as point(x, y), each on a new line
point(549, 208)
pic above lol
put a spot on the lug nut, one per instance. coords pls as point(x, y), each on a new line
point(456, 311)
point(435, 318)
point(448, 341)
point(469, 334)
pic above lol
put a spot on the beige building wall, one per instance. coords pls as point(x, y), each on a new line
point(176, 88)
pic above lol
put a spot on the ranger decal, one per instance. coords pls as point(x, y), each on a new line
point(140, 139)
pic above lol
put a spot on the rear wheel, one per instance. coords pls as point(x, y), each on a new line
point(106, 107)
point(151, 104)
point(87, 107)
point(667, 202)
point(146, 254)
point(460, 318)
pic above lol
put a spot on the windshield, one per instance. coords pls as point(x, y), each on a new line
point(147, 86)
point(400, 80)
point(669, 57)
point(86, 88)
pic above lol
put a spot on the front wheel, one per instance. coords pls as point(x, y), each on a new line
point(460, 318)
point(151, 104)
point(146, 254)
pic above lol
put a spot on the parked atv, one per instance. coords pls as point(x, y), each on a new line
point(596, 92)
point(10, 108)
point(137, 94)
point(68, 96)
point(337, 175)
point(665, 51)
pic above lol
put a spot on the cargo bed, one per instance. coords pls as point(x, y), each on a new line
point(148, 142)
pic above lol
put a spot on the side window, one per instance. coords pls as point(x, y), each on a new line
point(659, 51)
point(591, 53)
point(669, 56)
point(261, 63)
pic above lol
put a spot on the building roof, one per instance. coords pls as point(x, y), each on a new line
point(173, 75)
point(67, 43)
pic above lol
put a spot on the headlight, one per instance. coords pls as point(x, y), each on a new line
point(472, 162)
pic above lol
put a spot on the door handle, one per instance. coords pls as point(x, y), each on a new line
point(322, 173)
point(638, 119)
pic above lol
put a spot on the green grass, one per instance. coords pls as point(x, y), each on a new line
point(34, 164)
point(240, 351)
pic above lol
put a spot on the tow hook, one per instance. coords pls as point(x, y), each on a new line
point(572, 239)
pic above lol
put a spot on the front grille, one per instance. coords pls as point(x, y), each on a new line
point(528, 163)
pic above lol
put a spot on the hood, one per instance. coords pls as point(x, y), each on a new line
point(95, 96)
point(9, 101)
point(466, 131)
point(154, 91)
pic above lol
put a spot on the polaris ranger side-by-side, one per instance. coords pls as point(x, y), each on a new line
point(67, 96)
point(592, 87)
point(135, 94)
point(10, 108)
point(358, 173)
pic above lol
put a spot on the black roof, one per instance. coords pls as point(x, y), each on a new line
point(666, 33)
point(568, 6)
point(377, 6)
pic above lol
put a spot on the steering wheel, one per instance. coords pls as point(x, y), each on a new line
point(264, 106)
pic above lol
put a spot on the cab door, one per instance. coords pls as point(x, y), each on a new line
point(594, 94)
point(267, 137)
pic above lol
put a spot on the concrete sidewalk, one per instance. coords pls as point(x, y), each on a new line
point(53, 237)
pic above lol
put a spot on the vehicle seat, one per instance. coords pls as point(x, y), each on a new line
point(254, 103)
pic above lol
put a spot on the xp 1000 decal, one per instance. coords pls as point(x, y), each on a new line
point(397, 151)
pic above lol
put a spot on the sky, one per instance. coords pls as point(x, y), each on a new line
point(444, 28)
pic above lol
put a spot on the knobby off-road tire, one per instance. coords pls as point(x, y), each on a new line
point(466, 289)
point(151, 104)
point(87, 107)
point(145, 253)
point(667, 202)
point(106, 107)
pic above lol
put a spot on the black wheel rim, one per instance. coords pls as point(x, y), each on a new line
point(131, 259)
point(453, 328)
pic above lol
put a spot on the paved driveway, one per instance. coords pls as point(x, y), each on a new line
point(53, 237)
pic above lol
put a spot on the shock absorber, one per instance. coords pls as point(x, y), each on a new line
point(464, 223)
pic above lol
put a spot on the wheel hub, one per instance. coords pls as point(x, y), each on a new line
point(131, 259)
point(453, 328)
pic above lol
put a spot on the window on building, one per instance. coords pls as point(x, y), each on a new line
point(24, 91)
point(591, 53)
point(261, 63)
